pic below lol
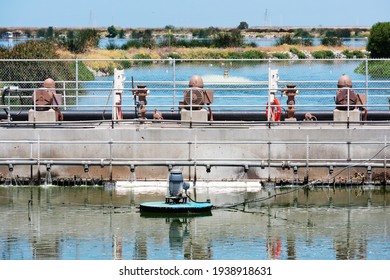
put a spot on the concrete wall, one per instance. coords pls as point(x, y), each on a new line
point(310, 147)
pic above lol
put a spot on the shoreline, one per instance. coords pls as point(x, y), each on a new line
point(181, 53)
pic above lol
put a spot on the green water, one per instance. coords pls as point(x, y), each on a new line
point(93, 223)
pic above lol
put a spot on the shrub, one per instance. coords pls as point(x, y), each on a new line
point(301, 55)
point(285, 40)
point(174, 55)
point(281, 55)
point(132, 44)
point(353, 54)
point(111, 46)
point(228, 39)
point(326, 54)
point(376, 69)
point(34, 70)
point(80, 41)
point(254, 54)
point(142, 56)
point(331, 41)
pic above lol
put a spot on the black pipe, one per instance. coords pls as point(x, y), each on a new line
point(90, 115)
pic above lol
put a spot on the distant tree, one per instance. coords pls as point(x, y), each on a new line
point(41, 33)
point(49, 32)
point(135, 34)
point(302, 33)
point(243, 25)
point(303, 37)
point(379, 40)
point(121, 34)
point(27, 33)
point(169, 27)
point(205, 32)
point(147, 39)
point(81, 40)
point(332, 41)
point(285, 40)
point(112, 32)
point(228, 39)
point(343, 33)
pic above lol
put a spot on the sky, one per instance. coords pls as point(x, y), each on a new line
point(192, 13)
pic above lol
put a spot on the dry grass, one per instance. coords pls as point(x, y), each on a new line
point(104, 60)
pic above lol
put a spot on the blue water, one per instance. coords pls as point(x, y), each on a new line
point(260, 42)
point(245, 87)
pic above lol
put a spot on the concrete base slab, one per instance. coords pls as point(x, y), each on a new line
point(195, 116)
point(342, 116)
point(42, 116)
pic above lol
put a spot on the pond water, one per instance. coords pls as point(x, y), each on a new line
point(242, 86)
point(97, 223)
point(260, 42)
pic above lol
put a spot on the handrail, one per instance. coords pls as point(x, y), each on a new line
point(228, 94)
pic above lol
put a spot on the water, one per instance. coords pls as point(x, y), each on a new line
point(94, 223)
point(260, 42)
point(246, 85)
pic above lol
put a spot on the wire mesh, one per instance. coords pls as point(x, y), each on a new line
point(87, 84)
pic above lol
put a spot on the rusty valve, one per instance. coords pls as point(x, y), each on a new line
point(290, 91)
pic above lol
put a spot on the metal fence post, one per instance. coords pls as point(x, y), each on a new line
point(174, 81)
point(77, 81)
point(367, 82)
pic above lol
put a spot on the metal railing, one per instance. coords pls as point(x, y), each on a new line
point(237, 84)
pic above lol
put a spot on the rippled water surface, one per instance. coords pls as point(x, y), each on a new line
point(92, 223)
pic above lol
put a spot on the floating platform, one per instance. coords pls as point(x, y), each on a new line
point(188, 207)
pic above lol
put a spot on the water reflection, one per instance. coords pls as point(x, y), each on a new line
point(98, 223)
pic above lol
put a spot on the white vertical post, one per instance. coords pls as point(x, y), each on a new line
point(273, 79)
point(119, 82)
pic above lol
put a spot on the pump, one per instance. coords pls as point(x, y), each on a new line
point(346, 98)
point(176, 185)
point(196, 95)
point(46, 99)
point(195, 98)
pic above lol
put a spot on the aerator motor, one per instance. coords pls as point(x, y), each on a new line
point(176, 187)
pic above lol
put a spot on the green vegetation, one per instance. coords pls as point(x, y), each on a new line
point(20, 70)
point(145, 39)
point(112, 32)
point(331, 41)
point(228, 39)
point(376, 69)
point(243, 25)
point(326, 54)
point(298, 53)
point(37, 70)
point(379, 46)
point(292, 40)
point(281, 55)
point(353, 54)
point(208, 43)
point(379, 40)
point(80, 41)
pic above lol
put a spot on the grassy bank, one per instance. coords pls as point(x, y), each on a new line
point(107, 60)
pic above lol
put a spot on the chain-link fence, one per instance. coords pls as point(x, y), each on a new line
point(237, 84)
